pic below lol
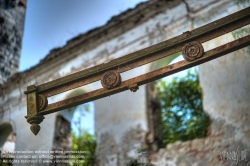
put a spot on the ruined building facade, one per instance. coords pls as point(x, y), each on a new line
point(127, 121)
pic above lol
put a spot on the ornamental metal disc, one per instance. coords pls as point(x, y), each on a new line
point(192, 50)
point(110, 79)
point(42, 102)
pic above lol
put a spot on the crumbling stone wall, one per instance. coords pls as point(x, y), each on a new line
point(122, 123)
point(215, 150)
point(12, 14)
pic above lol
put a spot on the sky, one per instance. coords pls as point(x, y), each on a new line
point(50, 23)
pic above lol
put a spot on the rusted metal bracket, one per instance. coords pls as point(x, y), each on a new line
point(109, 73)
point(35, 103)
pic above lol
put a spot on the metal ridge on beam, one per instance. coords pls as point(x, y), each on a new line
point(202, 34)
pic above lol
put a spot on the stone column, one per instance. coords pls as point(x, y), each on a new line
point(121, 126)
point(12, 14)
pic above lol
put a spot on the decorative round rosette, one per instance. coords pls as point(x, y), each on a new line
point(110, 79)
point(192, 50)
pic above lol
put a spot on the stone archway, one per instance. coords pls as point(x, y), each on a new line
point(163, 62)
point(154, 113)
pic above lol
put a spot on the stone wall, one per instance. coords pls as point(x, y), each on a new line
point(12, 14)
point(216, 149)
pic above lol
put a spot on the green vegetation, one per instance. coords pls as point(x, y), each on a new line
point(183, 117)
point(87, 143)
point(83, 141)
point(244, 31)
point(239, 33)
point(244, 2)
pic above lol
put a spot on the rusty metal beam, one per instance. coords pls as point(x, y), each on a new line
point(109, 73)
point(147, 55)
point(148, 77)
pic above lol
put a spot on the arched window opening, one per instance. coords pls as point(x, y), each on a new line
point(83, 119)
point(179, 101)
point(74, 129)
point(83, 134)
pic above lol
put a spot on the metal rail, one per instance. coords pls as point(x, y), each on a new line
point(109, 73)
point(146, 78)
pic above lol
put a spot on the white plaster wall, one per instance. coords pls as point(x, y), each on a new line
point(118, 113)
point(226, 89)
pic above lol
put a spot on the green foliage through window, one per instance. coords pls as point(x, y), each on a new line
point(239, 33)
point(84, 142)
point(183, 117)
